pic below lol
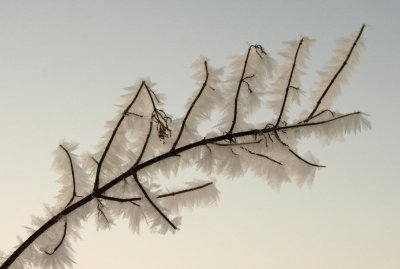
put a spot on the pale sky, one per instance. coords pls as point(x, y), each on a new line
point(63, 65)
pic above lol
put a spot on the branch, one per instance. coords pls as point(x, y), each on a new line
point(94, 160)
point(307, 162)
point(121, 200)
point(134, 114)
point(100, 211)
point(72, 174)
point(151, 93)
point(247, 83)
point(237, 144)
point(71, 208)
point(145, 144)
point(191, 107)
point(295, 154)
point(159, 117)
point(319, 114)
point(184, 191)
point(238, 89)
point(152, 203)
point(61, 241)
point(260, 155)
point(289, 82)
point(248, 86)
point(211, 140)
point(337, 73)
point(260, 48)
point(97, 179)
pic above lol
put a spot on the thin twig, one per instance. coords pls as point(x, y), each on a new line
point(289, 82)
point(238, 89)
point(144, 145)
point(61, 241)
point(103, 156)
point(121, 200)
point(302, 159)
point(248, 86)
point(260, 155)
point(259, 49)
point(152, 203)
point(134, 114)
point(100, 211)
point(237, 144)
point(336, 74)
point(319, 114)
point(233, 152)
point(184, 191)
point(247, 77)
point(295, 154)
point(72, 176)
point(159, 117)
point(191, 107)
point(96, 161)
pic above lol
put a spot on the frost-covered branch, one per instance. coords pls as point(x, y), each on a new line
point(191, 107)
point(121, 200)
point(243, 80)
point(338, 72)
point(302, 159)
point(72, 176)
point(103, 156)
point(144, 144)
point(260, 155)
point(152, 202)
point(101, 215)
point(160, 118)
point(288, 87)
point(131, 148)
point(184, 191)
point(61, 241)
point(237, 144)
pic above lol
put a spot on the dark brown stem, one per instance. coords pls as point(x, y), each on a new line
point(336, 74)
point(238, 89)
point(17, 252)
point(100, 211)
point(248, 86)
point(96, 161)
point(151, 93)
point(159, 117)
point(319, 114)
point(294, 153)
point(103, 156)
point(121, 200)
point(289, 82)
point(191, 107)
point(72, 176)
point(61, 241)
point(260, 155)
point(144, 144)
point(184, 191)
point(237, 144)
point(302, 159)
point(152, 203)
point(134, 114)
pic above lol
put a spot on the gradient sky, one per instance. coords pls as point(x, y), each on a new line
point(63, 65)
